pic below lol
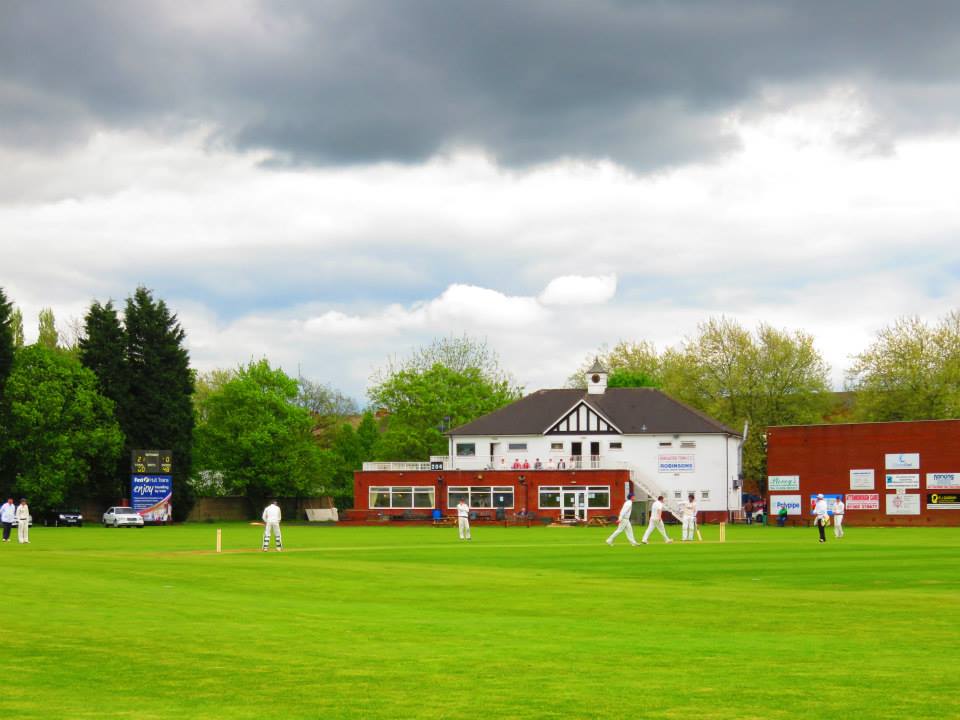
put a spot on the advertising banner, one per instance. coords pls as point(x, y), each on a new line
point(831, 499)
point(783, 482)
point(943, 501)
point(863, 501)
point(903, 461)
point(792, 503)
point(943, 481)
point(151, 497)
point(861, 479)
point(903, 481)
point(903, 504)
point(676, 464)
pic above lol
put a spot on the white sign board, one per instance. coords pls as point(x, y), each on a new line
point(783, 482)
point(861, 479)
point(863, 501)
point(903, 461)
point(903, 481)
point(903, 504)
point(943, 481)
point(676, 464)
point(792, 503)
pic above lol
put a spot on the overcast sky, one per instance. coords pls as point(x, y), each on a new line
point(330, 183)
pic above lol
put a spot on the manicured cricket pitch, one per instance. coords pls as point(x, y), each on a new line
point(405, 622)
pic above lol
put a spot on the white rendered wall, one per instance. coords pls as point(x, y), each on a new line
point(714, 460)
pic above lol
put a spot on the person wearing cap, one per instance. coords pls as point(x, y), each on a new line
point(838, 509)
point(689, 511)
point(271, 525)
point(23, 522)
point(8, 516)
point(822, 517)
point(624, 523)
point(656, 521)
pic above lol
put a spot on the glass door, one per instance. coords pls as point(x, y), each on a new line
point(574, 504)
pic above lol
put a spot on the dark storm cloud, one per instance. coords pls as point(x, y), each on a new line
point(642, 83)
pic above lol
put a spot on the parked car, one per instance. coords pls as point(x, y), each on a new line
point(122, 517)
point(56, 518)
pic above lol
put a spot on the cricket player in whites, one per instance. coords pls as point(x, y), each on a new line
point(689, 509)
point(838, 508)
point(463, 519)
point(624, 524)
point(271, 524)
point(656, 521)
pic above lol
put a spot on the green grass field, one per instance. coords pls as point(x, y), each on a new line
point(407, 622)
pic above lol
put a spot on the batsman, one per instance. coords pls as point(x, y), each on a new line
point(689, 512)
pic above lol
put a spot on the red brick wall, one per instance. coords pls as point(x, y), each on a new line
point(823, 455)
point(523, 497)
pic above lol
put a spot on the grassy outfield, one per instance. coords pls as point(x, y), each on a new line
point(385, 622)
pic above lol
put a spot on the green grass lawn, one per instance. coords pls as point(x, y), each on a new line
point(405, 622)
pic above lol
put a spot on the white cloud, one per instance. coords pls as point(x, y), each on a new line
point(579, 290)
point(333, 270)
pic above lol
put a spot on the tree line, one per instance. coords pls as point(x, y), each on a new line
point(72, 410)
point(770, 376)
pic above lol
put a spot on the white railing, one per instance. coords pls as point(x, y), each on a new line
point(526, 462)
point(401, 466)
point(654, 491)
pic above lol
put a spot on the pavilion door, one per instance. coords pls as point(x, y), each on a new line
point(576, 455)
point(573, 504)
point(594, 455)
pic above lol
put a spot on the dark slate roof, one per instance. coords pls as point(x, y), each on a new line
point(633, 410)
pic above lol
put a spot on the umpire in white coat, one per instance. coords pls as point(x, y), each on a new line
point(271, 521)
point(624, 525)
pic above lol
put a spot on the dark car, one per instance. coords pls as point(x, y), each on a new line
point(70, 518)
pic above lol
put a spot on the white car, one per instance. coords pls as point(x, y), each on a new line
point(122, 516)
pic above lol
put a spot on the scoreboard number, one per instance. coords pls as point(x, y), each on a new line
point(151, 462)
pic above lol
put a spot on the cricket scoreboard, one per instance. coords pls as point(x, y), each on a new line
point(151, 484)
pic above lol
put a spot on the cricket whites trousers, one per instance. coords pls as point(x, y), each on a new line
point(838, 525)
point(23, 531)
point(689, 527)
point(464, 525)
point(623, 527)
point(274, 528)
point(658, 524)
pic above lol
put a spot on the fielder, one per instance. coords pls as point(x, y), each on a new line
point(23, 522)
point(656, 521)
point(823, 517)
point(624, 523)
point(838, 509)
point(463, 519)
point(689, 509)
point(271, 522)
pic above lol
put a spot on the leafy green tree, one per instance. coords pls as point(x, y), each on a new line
point(424, 403)
point(254, 434)
point(456, 353)
point(770, 377)
point(102, 349)
point(48, 337)
point(631, 361)
point(16, 325)
point(61, 430)
point(157, 410)
point(910, 372)
point(329, 406)
point(7, 339)
point(631, 378)
point(368, 435)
